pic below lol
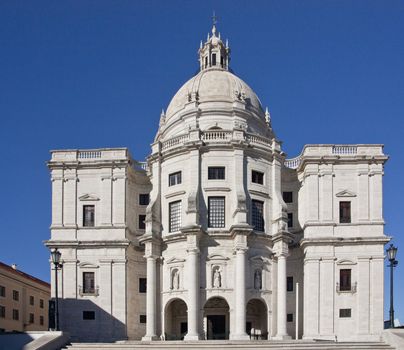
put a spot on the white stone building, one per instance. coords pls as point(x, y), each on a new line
point(221, 227)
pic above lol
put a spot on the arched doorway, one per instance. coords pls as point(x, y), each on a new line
point(216, 318)
point(257, 319)
point(175, 325)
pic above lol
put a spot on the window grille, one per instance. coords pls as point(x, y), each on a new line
point(216, 173)
point(88, 283)
point(175, 216)
point(216, 210)
point(258, 215)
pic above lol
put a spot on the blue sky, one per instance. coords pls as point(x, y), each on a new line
point(86, 74)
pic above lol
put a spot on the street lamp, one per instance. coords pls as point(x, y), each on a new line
point(391, 255)
point(55, 254)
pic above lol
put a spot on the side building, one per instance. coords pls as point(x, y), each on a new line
point(24, 301)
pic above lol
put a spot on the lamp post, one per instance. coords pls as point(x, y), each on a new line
point(391, 255)
point(56, 262)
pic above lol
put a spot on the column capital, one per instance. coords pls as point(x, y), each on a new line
point(193, 250)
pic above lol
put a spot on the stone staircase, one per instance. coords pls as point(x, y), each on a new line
point(229, 344)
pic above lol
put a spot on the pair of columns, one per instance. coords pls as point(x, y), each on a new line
point(193, 297)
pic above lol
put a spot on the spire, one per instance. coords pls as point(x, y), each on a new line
point(213, 53)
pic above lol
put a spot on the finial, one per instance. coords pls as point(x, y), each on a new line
point(214, 20)
point(200, 45)
point(162, 117)
point(267, 116)
point(227, 43)
point(208, 37)
point(219, 35)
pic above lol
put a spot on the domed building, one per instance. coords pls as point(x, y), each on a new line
point(218, 235)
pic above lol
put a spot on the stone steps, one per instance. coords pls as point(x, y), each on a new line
point(228, 344)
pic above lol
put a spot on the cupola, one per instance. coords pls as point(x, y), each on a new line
point(214, 54)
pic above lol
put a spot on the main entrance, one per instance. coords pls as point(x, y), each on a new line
point(216, 319)
point(176, 323)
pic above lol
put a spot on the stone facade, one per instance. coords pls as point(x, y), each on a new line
point(223, 228)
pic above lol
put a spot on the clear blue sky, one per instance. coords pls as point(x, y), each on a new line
point(84, 74)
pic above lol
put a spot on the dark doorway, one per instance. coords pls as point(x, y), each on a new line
point(217, 327)
point(184, 329)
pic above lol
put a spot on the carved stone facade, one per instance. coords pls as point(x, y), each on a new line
point(231, 227)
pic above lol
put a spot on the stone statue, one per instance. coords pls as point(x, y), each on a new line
point(217, 279)
point(176, 280)
point(257, 280)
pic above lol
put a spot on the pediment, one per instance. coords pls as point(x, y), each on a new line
point(345, 262)
point(216, 257)
point(175, 261)
point(260, 260)
point(88, 197)
point(88, 265)
point(346, 193)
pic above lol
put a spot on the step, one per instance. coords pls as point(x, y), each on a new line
point(228, 344)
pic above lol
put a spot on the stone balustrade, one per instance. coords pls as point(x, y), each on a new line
point(102, 154)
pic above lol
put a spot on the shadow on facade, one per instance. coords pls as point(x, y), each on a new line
point(87, 322)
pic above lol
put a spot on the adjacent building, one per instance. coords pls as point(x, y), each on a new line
point(218, 235)
point(24, 301)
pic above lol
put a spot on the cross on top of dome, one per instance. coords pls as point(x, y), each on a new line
point(214, 53)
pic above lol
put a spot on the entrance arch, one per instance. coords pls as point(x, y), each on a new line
point(257, 319)
point(175, 323)
point(216, 318)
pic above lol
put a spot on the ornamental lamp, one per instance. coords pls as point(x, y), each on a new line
point(56, 257)
point(392, 252)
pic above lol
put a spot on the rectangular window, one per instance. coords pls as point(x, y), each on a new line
point(2, 291)
point(345, 212)
point(258, 215)
point(31, 300)
point(16, 295)
point(41, 320)
point(88, 315)
point(2, 311)
point(142, 224)
point(175, 216)
point(216, 173)
point(16, 315)
point(288, 197)
point(290, 219)
point(213, 59)
point(142, 319)
point(88, 215)
point(344, 313)
point(88, 283)
point(41, 303)
point(174, 178)
point(216, 212)
point(289, 284)
point(345, 280)
point(289, 317)
point(31, 318)
point(257, 177)
point(144, 199)
point(142, 285)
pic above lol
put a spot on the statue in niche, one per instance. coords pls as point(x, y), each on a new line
point(258, 280)
point(175, 283)
point(217, 279)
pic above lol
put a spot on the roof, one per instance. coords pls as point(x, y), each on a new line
point(23, 275)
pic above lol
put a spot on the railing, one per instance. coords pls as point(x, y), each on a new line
point(217, 136)
point(293, 163)
point(256, 139)
point(352, 290)
point(94, 292)
point(174, 142)
point(344, 149)
point(89, 154)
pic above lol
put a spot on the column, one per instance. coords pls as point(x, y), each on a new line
point(151, 300)
point(193, 294)
point(281, 312)
point(240, 302)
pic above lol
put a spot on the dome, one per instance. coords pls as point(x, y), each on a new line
point(215, 85)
